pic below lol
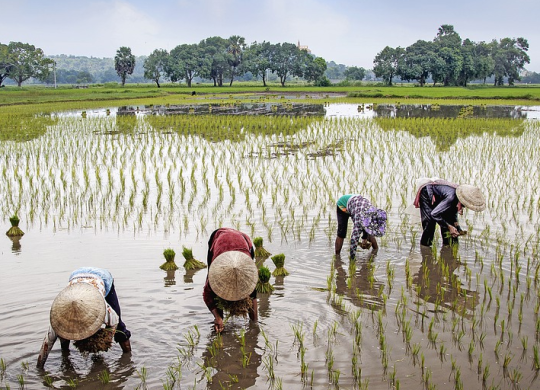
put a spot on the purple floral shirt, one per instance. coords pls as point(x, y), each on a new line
point(365, 217)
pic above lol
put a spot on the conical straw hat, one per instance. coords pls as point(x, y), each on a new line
point(471, 197)
point(233, 275)
point(77, 311)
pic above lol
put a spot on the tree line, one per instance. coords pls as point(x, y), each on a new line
point(449, 60)
point(223, 60)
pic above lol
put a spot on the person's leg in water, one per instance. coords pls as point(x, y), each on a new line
point(122, 334)
point(428, 223)
point(342, 220)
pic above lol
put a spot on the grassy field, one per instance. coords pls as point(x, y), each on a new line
point(100, 95)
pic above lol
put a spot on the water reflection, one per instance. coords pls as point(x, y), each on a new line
point(16, 246)
point(234, 357)
point(76, 373)
point(358, 283)
point(170, 278)
point(448, 111)
point(438, 283)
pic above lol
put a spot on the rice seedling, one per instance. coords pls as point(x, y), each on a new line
point(14, 230)
point(279, 262)
point(191, 263)
point(104, 377)
point(263, 285)
point(169, 264)
point(259, 249)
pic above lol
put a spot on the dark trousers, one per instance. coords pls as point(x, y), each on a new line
point(122, 334)
point(429, 224)
point(343, 222)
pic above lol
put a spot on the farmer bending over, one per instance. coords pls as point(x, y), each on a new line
point(368, 222)
point(80, 309)
point(232, 276)
point(440, 202)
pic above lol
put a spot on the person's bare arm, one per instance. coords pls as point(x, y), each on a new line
point(373, 241)
point(218, 321)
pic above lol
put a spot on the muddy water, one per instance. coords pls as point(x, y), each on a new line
point(347, 315)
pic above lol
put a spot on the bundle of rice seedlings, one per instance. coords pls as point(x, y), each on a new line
point(235, 308)
point(100, 341)
point(169, 264)
point(14, 230)
point(279, 262)
point(259, 250)
point(263, 286)
point(190, 262)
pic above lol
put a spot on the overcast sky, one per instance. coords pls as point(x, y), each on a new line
point(349, 32)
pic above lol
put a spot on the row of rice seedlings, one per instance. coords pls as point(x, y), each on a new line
point(138, 185)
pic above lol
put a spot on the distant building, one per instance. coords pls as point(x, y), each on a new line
point(304, 48)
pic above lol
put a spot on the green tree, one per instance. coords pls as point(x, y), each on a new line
point(468, 67)
point(235, 49)
point(314, 70)
point(186, 62)
point(257, 59)
point(155, 65)
point(6, 63)
point(448, 49)
point(510, 56)
point(124, 63)
point(84, 77)
point(355, 73)
point(335, 71)
point(214, 51)
point(483, 62)
point(418, 61)
point(27, 61)
point(386, 63)
point(287, 60)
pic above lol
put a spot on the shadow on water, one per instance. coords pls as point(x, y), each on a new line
point(234, 358)
point(75, 373)
point(358, 282)
point(437, 282)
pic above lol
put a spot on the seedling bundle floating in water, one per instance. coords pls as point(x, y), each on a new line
point(14, 230)
point(259, 249)
point(190, 262)
point(279, 262)
point(169, 265)
point(100, 341)
point(263, 285)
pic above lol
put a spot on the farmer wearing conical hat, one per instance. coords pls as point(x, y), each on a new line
point(440, 202)
point(81, 309)
point(368, 222)
point(232, 275)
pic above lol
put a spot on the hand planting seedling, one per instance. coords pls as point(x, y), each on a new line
point(169, 264)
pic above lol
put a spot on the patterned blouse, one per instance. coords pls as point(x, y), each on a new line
point(365, 217)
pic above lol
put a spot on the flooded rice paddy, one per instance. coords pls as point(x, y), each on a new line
point(115, 190)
